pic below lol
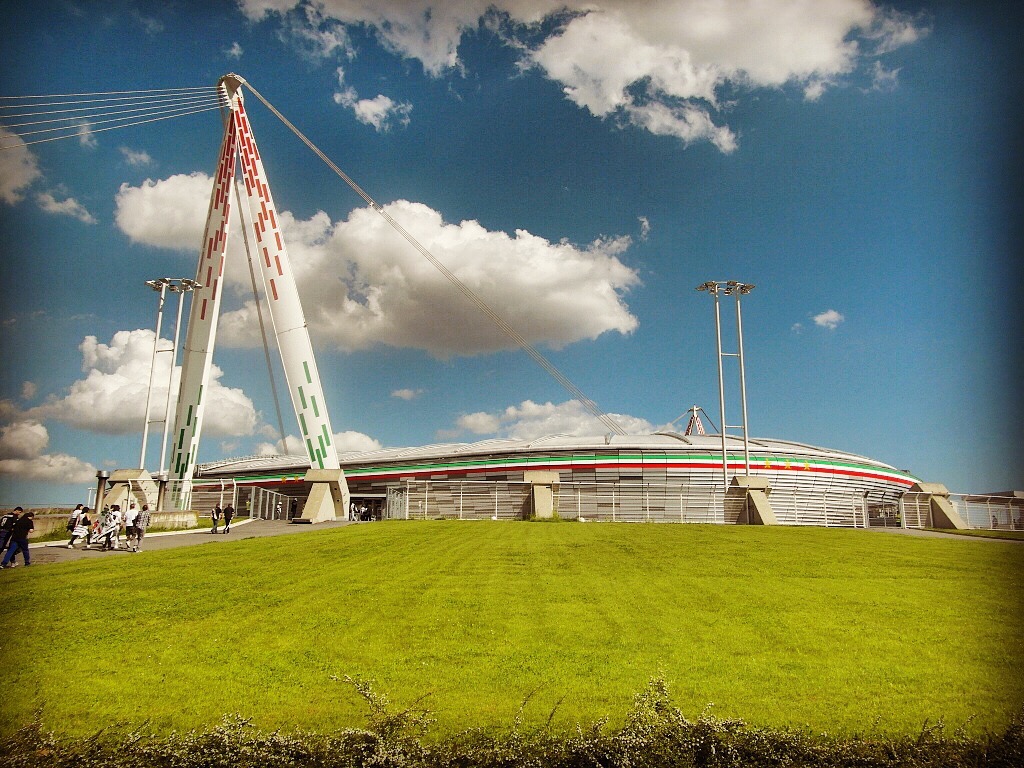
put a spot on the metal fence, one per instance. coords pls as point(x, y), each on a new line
point(698, 502)
point(269, 505)
point(1002, 513)
point(458, 500)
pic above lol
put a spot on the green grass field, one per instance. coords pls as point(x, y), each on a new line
point(843, 631)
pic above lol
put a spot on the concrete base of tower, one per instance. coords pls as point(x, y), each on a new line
point(130, 485)
point(751, 493)
point(943, 514)
point(328, 498)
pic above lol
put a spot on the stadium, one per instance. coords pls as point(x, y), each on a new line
point(661, 477)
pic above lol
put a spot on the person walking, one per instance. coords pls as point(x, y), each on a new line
point(81, 529)
point(73, 518)
point(129, 524)
point(215, 516)
point(19, 540)
point(7, 527)
point(111, 527)
point(229, 512)
point(141, 524)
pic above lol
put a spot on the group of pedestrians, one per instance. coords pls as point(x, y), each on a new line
point(218, 514)
point(107, 529)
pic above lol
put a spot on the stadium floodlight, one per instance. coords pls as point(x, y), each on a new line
point(181, 286)
point(162, 285)
point(737, 289)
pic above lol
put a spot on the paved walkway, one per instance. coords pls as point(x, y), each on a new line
point(57, 551)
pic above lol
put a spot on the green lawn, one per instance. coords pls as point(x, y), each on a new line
point(844, 631)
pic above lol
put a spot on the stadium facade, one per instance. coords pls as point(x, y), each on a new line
point(662, 477)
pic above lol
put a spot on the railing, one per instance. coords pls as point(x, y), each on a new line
point(698, 502)
point(1000, 513)
point(269, 505)
point(977, 511)
point(459, 500)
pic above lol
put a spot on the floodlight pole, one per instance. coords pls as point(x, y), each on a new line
point(737, 289)
point(713, 288)
point(159, 285)
point(181, 287)
point(740, 289)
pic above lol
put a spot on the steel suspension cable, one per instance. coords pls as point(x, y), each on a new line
point(94, 111)
point(146, 112)
point(132, 107)
point(464, 289)
point(259, 316)
point(86, 131)
point(107, 93)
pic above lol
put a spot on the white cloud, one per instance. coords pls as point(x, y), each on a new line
point(136, 158)
point(816, 88)
point(354, 441)
point(344, 442)
point(829, 319)
point(67, 207)
point(169, 213)
point(891, 29)
point(21, 455)
point(658, 65)
point(362, 284)
point(480, 423)
point(28, 390)
point(111, 399)
point(381, 111)
point(18, 167)
point(406, 394)
point(645, 227)
point(85, 135)
point(530, 420)
point(151, 25)
point(235, 51)
point(883, 79)
point(23, 440)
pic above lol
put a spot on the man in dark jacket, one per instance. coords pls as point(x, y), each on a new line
point(7, 528)
point(19, 540)
point(229, 512)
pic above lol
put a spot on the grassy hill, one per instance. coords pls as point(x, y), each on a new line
point(843, 631)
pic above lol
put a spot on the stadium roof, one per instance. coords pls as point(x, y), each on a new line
point(673, 441)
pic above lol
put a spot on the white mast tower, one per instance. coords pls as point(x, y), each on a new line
point(329, 496)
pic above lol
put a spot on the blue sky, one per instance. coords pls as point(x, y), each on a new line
point(581, 171)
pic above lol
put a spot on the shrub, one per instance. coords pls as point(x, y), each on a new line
point(655, 734)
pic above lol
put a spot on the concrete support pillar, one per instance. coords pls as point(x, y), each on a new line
point(328, 497)
point(943, 513)
point(542, 495)
point(127, 485)
point(751, 493)
point(101, 489)
point(161, 494)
